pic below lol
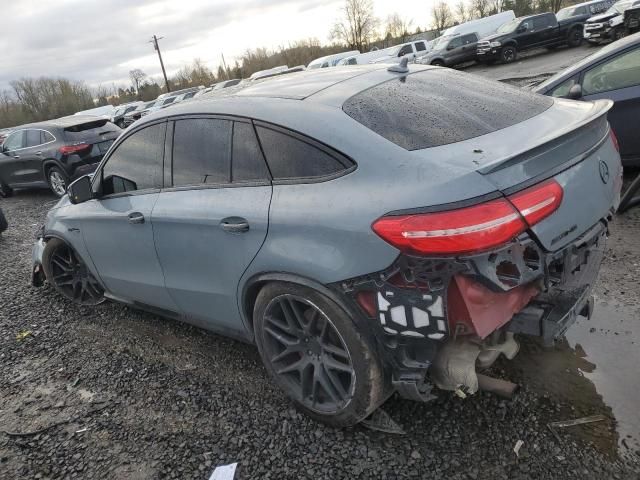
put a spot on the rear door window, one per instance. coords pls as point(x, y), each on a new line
point(136, 164)
point(620, 72)
point(420, 111)
point(420, 46)
point(470, 38)
point(33, 138)
point(247, 160)
point(541, 22)
point(201, 151)
point(290, 157)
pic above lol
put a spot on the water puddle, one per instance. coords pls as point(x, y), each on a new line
point(594, 371)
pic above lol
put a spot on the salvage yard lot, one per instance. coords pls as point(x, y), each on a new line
point(110, 392)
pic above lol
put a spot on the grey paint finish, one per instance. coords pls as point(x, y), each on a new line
point(320, 230)
point(203, 277)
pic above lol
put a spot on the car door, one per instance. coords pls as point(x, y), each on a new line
point(545, 28)
point(117, 225)
point(453, 51)
point(618, 79)
point(213, 220)
point(525, 35)
point(10, 160)
point(469, 47)
point(32, 156)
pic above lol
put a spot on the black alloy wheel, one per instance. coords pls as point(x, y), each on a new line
point(508, 54)
point(311, 348)
point(575, 37)
point(308, 352)
point(69, 275)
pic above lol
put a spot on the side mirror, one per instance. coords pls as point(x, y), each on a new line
point(575, 92)
point(521, 29)
point(80, 190)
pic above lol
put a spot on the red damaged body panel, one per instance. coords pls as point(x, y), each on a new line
point(482, 311)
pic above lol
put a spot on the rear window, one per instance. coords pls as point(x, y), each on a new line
point(438, 107)
point(86, 130)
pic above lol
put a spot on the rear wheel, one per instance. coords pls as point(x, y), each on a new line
point(508, 54)
point(310, 347)
point(68, 274)
point(438, 63)
point(5, 190)
point(58, 181)
point(575, 38)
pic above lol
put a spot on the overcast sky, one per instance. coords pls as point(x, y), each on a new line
point(99, 41)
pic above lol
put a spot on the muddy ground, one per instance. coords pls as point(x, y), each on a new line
point(109, 392)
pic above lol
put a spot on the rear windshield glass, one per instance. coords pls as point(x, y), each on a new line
point(441, 106)
point(86, 130)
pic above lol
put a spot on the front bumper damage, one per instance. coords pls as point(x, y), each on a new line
point(445, 316)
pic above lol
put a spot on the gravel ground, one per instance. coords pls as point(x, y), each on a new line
point(116, 393)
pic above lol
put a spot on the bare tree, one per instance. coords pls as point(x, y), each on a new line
point(497, 6)
point(358, 26)
point(137, 77)
point(442, 16)
point(397, 27)
point(480, 8)
point(462, 13)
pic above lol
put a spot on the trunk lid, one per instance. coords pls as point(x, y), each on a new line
point(98, 133)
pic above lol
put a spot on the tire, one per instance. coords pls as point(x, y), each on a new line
point(593, 43)
point(437, 63)
point(575, 38)
point(5, 190)
point(618, 33)
point(58, 181)
point(3, 222)
point(508, 54)
point(330, 371)
point(69, 276)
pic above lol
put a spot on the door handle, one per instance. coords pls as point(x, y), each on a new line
point(17, 157)
point(136, 218)
point(235, 224)
point(39, 154)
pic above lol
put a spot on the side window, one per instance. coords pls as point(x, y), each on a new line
point(407, 49)
point(201, 150)
point(136, 164)
point(580, 11)
point(15, 141)
point(620, 72)
point(289, 157)
point(46, 136)
point(420, 46)
point(33, 138)
point(352, 61)
point(471, 38)
point(541, 22)
point(455, 43)
point(562, 90)
point(526, 25)
point(247, 160)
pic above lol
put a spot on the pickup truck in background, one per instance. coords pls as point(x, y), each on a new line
point(532, 31)
point(610, 24)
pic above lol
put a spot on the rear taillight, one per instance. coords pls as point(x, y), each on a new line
point(614, 139)
point(470, 229)
point(75, 148)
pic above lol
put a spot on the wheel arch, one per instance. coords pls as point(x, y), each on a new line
point(48, 164)
point(253, 285)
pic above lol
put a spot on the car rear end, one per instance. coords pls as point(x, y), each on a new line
point(522, 258)
point(84, 143)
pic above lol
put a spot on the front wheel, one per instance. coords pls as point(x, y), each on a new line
point(438, 63)
point(508, 54)
point(5, 190)
point(311, 348)
point(58, 181)
point(618, 33)
point(3, 222)
point(69, 275)
point(575, 38)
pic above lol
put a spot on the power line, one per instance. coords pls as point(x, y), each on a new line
point(157, 48)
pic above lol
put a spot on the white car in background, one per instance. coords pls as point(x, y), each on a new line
point(330, 60)
point(482, 26)
point(410, 50)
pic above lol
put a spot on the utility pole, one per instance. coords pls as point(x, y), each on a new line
point(226, 70)
point(157, 48)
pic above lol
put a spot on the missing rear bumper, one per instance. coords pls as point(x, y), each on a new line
point(419, 305)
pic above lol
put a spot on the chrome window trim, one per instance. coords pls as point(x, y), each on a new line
point(33, 146)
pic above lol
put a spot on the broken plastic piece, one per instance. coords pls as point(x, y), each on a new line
point(517, 447)
point(224, 472)
point(577, 421)
point(380, 421)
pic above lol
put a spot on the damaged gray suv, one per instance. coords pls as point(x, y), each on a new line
point(372, 229)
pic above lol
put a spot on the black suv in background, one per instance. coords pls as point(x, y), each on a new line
point(50, 154)
point(533, 31)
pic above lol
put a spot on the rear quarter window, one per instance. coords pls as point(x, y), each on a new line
point(441, 106)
